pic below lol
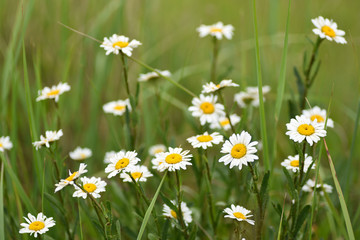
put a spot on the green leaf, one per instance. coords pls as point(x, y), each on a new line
point(290, 183)
point(118, 229)
point(301, 218)
point(299, 83)
point(165, 229)
point(193, 232)
point(2, 216)
point(264, 185)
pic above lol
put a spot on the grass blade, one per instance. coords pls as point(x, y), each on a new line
point(2, 216)
point(341, 196)
point(150, 208)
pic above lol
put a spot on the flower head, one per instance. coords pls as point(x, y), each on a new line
point(319, 115)
point(326, 28)
point(240, 151)
point(118, 107)
point(224, 122)
point(302, 128)
point(111, 154)
point(207, 109)
point(153, 75)
point(54, 92)
point(122, 161)
point(218, 30)
point(158, 148)
point(186, 212)
point(138, 173)
point(36, 225)
point(80, 153)
point(239, 213)
point(174, 159)
point(5, 143)
point(292, 163)
point(212, 87)
point(50, 136)
point(310, 186)
point(250, 96)
point(116, 43)
point(70, 179)
point(92, 186)
point(205, 140)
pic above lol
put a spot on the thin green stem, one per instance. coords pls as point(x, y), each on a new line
point(210, 194)
point(259, 201)
point(125, 73)
point(181, 217)
point(214, 59)
point(226, 110)
point(80, 225)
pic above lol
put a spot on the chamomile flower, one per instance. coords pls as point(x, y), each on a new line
point(205, 140)
point(109, 155)
point(5, 143)
point(122, 161)
point(318, 114)
point(118, 107)
point(250, 96)
point(212, 87)
point(153, 75)
point(156, 162)
point(92, 186)
point(54, 92)
point(326, 28)
point(80, 153)
point(310, 186)
point(138, 173)
point(50, 136)
point(116, 43)
point(70, 179)
point(240, 150)
point(207, 109)
point(239, 213)
point(174, 159)
point(292, 163)
point(218, 30)
point(223, 122)
point(158, 148)
point(186, 212)
point(36, 225)
point(302, 128)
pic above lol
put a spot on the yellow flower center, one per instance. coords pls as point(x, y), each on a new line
point(120, 44)
point(294, 163)
point(82, 155)
point(218, 85)
point(205, 138)
point(89, 187)
point(122, 163)
point(53, 92)
point(214, 29)
point(306, 129)
point(328, 31)
point(317, 117)
point(238, 151)
point(173, 213)
point(1, 145)
point(71, 177)
point(224, 122)
point(207, 108)
point(119, 107)
point(159, 150)
point(136, 175)
point(239, 215)
point(173, 158)
point(36, 226)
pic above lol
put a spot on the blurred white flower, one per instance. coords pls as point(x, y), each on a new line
point(80, 153)
point(326, 28)
point(207, 109)
point(292, 163)
point(138, 173)
point(218, 30)
point(319, 115)
point(186, 212)
point(54, 92)
point(5, 143)
point(118, 107)
point(212, 87)
point(72, 176)
point(205, 140)
point(116, 43)
point(50, 136)
point(144, 77)
point(239, 213)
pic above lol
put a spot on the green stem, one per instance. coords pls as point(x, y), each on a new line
point(301, 163)
point(210, 194)
point(214, 59)
point(181, 218)
point(226, 111)
point(125, 74)
point(259, 201)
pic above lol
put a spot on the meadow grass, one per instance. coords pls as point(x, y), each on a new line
point(39, 49)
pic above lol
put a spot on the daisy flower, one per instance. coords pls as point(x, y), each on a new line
point(138, 173)
point(207, 109)
point(80, 153)
point(122, 161)
point(36, 225)
point(50, 136)
point(70, 179)
point(318, 114)
point(218, 30)
point(174, 159)
point(292, 163)
point(250, 96)
point(54, 92)
point(116, 43)
point(302, 128)
point(111, 154)
point(118, 107)
point(310, 185)
point(5, 143)
point(205, 140)
point(223, 122)
point(240, 151)
point(186, 212)
point(239, 213)
point(158, 148)
point(153, 75)
point(212, 87)
point(92, 186)
point(326, 28)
